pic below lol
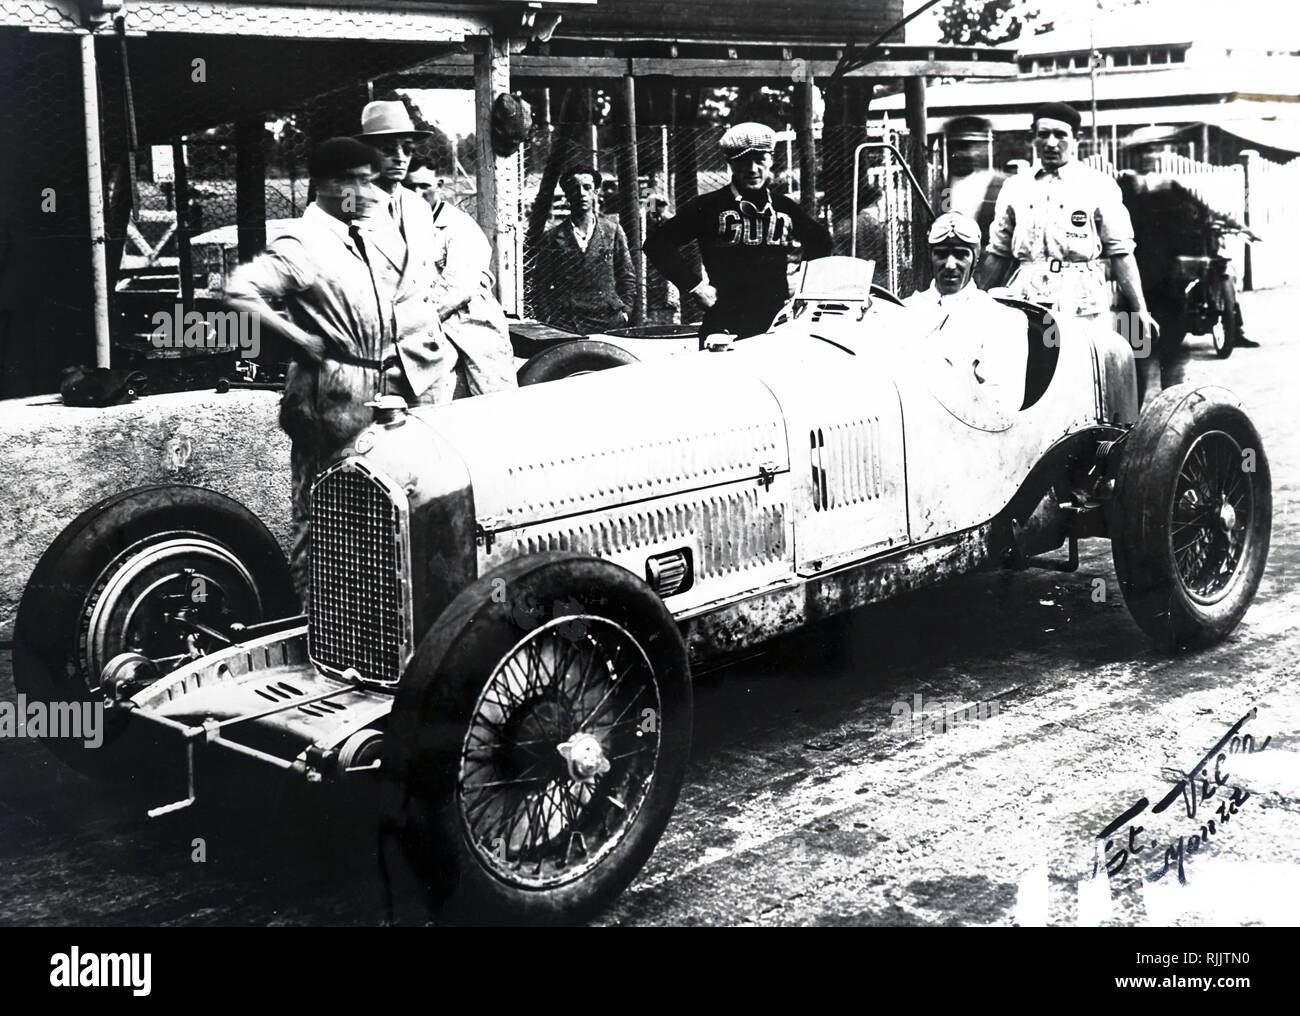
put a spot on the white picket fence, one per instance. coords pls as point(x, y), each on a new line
point(1274, 208)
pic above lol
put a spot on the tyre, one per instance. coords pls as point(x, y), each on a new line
point(539, 741)
point(107, 583)
point(1191, 516)
point(1225, 330)
point(569, 359)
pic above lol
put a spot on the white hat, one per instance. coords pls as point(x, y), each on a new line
point(388, 117)
point(747, 137)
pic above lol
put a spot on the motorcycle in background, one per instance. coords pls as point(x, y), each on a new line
point(1208, 287)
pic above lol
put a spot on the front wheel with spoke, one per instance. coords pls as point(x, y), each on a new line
point(1191, 517)
point(540, 738)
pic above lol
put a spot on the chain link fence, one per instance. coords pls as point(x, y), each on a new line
point(675, 163)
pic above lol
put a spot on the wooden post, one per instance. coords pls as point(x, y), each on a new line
point(184, 258)
point(914, 96)
point(498, 178)
point(1248, 157)
point(250, 188)
point(807, 146)
point(95, 199)
point(629, 189)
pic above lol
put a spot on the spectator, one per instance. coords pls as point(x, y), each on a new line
point(1168, 221)
point(973, 185)
point(429, 284)
point(744, 231)
point(585, 279)
point(472, 318)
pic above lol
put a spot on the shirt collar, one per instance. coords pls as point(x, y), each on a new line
point(321, 218)
point(766, 195)
point(966, 294)
point(1065, 172)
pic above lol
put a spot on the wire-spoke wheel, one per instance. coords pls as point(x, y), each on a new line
point(539, 739)
point(1210, 516)
point(1191, 516)
point(560, 751)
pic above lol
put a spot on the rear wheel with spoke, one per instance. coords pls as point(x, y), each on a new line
point(1192, 515)
point(143, 572)
point(540, 739)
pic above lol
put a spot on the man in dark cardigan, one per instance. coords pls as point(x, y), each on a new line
point(585, 279)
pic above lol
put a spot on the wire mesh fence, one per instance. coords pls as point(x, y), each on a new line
point(674, 164)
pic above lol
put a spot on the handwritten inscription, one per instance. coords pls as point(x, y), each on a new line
point(1196, 787)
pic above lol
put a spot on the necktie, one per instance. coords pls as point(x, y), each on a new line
point(354, 231)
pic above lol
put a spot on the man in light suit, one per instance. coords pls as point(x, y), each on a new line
point(438, 269)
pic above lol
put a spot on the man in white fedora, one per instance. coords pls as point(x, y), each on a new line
point(441, 259)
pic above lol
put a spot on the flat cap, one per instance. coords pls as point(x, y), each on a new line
point(964, 127)
point(747, 137)
point(1154, 135)
point(1058, 111)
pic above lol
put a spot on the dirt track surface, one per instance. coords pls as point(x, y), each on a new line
point(804, 803)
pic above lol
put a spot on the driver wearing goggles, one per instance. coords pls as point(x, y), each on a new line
point(970, 333)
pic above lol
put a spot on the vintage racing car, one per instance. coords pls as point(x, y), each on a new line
point(508, 593)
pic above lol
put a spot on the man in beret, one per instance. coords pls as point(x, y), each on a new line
point(982, 344)
point(1055, 229)
point(585, 278)
point(744, 232)
point(340, 324)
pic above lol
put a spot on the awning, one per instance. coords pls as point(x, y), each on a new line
point(1281, 134)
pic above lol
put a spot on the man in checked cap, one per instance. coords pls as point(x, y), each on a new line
point(744, 231)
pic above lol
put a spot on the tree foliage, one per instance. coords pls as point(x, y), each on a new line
point(977, 22)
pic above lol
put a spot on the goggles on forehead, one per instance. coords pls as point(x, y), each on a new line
point(947, 226)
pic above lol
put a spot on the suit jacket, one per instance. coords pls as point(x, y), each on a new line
point(326, 282)
point(471, 316)
point(585, 291)
point(428, 359)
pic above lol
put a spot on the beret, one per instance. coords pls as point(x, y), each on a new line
point(1058, 111)
point(747, 137)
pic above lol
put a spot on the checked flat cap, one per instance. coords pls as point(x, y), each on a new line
point(747, 137)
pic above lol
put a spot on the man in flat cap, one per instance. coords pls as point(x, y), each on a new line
point(744, 232)
point(981, 344)
point(436, 265)
point(1057, 227)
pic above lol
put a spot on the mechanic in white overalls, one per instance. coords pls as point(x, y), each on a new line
point(1055, 229)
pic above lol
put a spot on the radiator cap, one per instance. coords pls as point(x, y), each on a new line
point(390, 410)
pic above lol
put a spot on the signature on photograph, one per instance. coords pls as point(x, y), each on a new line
point(1205, 792)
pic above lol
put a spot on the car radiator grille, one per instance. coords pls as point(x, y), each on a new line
point(359, 614)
